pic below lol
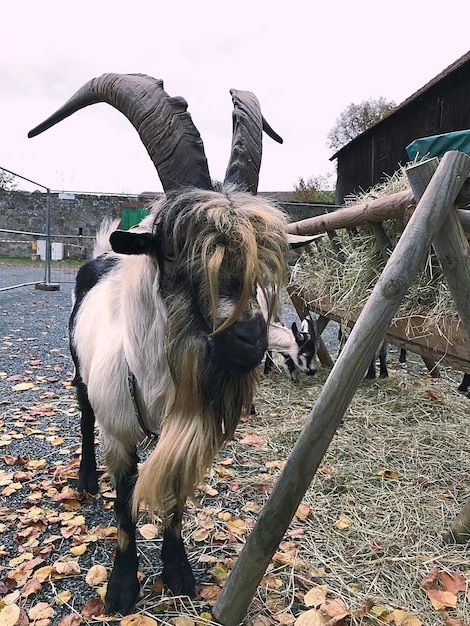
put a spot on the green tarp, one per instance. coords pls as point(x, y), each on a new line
point(438, 145)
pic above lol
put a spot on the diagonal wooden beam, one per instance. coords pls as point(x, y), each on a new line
point(345, 377)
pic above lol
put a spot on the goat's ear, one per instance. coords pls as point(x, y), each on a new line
point(129, 242)
point(297, 335)
point(297, 241)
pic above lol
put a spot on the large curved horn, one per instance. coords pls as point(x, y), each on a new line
point(248, 125)
point(163, 123)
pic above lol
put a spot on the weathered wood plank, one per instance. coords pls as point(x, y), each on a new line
point(392, 206)
point(339, 388)
point(447, 342)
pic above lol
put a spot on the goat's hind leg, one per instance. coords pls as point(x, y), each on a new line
point(123, 586)
point(177, 574)
point(87, 474)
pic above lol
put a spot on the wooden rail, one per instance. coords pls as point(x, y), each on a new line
point(445, 342)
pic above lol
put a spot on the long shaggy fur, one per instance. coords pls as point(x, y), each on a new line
point(224, 242)
point(161, 314)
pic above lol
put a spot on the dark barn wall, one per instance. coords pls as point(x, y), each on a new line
point(443, 107)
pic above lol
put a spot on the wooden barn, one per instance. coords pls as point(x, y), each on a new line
point(441, 106)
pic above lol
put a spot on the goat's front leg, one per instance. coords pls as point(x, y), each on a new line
point(123, 586)
point(177, 574)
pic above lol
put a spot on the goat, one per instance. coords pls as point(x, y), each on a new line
point(297, 347)
point(381, 354)
point(165, 330)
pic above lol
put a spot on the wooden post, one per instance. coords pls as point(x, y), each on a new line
point(346, 375)
point(450, 244)
point(453, 252)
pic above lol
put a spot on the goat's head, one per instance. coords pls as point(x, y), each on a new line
point(213, 245)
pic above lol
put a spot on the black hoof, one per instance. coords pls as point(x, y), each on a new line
point(179, 579)
point(88, 483)
point(121, 596)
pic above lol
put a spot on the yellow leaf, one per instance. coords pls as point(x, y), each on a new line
point(96, 575)
point(316, 596)
point(405, 619)
point(26, 556)
point(22, 386)
point(78, 550)
point(388, 474)
point(343, 522)
point(237, 526)
point(303, 511)
point(43, 573)
point(63, 597)
point(205, 616)
point(36, 464)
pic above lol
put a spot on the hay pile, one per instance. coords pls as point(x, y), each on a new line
point(393, 479)
point(344, 270)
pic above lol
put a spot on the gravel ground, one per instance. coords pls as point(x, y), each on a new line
point(39, 423)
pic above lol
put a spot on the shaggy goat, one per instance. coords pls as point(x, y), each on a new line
point(166, 331)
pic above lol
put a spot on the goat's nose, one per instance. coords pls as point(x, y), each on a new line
point(241, 346)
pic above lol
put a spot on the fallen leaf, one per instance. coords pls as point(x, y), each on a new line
point(181, 620)
point(211, 593)
point(148, 531)
point(254, 440)
point(93, 608)
point(22, 386)
point(441, 599)
point(78, 550)
point(71, 620)
point(63, 597)
point(316, 596)
point(9, 615)
point(452, 581)
point(403, 618)
point(343, 522)
point(135, 619)
point(41, 610)
point(334, 608)
point(388, 474)
point(311, 618)
point(96, 575)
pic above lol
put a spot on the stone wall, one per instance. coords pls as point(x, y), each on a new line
point(74, 218)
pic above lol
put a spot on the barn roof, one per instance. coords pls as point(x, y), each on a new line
point(448, 72)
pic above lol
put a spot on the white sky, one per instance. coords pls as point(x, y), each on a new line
point(305, 60)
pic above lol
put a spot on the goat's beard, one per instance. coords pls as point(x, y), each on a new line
point(201, 415)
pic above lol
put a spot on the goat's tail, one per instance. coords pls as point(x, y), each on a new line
point(102, 245)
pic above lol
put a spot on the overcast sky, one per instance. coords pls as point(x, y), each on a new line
point(306, 61)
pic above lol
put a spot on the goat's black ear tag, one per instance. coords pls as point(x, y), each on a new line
point(128, 242)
